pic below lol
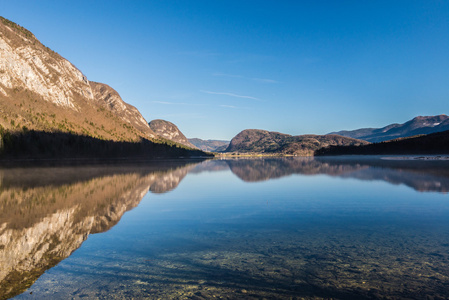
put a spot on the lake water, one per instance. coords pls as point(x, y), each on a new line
point(271, 228)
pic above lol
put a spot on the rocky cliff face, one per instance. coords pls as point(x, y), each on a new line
point(170, 131)
point(262, 141)
point(27, 64)
point(416, 126)
point(41, 90)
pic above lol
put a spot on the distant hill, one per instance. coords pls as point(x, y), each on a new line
point(416, 126)
point(267, 142)
point(170, 131)
point(434, 143)
point(210, 145)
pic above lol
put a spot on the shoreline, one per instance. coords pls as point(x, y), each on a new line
point(420, 157)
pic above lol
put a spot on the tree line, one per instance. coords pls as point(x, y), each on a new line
point(43, 145)
point(435, 143)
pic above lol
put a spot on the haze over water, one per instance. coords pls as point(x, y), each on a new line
point(252, 228)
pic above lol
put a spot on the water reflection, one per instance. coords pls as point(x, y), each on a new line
point(418, 174)
point(47, 213)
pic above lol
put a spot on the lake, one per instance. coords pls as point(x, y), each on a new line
point(274, 228)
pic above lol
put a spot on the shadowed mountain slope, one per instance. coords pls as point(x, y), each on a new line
point(434, 143)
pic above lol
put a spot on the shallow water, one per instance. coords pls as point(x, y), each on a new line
point(341, 228)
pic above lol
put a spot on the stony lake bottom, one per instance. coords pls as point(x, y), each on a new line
point(273, 228)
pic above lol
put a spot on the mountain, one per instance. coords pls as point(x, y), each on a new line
point(416, 126)
point(434, 143)
point(41, 90)
point(267, 142)
point(49, 109)
point(209, 145)
point(170, 131)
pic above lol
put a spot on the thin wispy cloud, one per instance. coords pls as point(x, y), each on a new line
point(199, 53)
point(252, 58)
point(164, 102)
point(183, 115)
point(226, 106)
point(263, 80)
point(175, 103)
point(230, 95)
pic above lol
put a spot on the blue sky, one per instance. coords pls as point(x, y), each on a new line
point(217, 67)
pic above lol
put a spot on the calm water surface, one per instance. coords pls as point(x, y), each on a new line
point(250, 229)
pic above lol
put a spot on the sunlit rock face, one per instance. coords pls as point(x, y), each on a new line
point(27, 64)
point(41, 90)
point(42, 223)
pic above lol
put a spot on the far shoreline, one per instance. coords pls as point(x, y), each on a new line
point(417, 157)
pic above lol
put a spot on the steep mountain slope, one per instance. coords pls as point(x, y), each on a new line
point(210, 145)
point(434, 143)
point(418, 125)
point(41, 90)
point(262, 141)
point(170, 131)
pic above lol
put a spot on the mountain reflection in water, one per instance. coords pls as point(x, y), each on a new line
point(46, 213)
point(417, 174)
